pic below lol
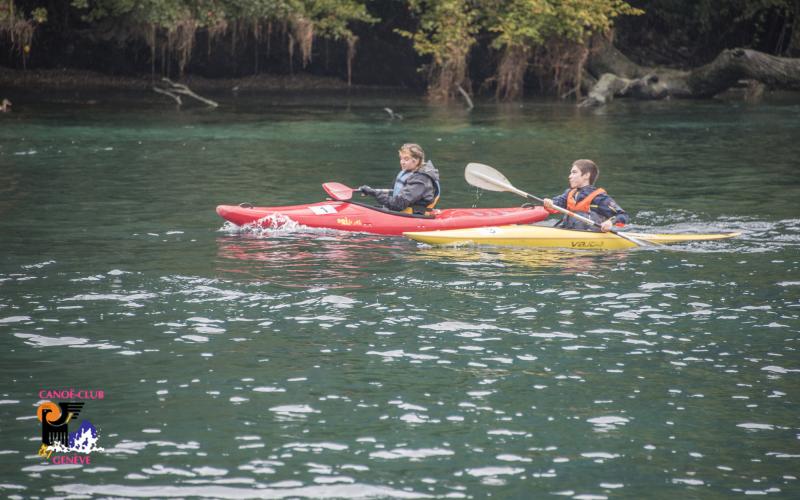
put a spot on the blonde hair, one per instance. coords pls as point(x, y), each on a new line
point(415, 150)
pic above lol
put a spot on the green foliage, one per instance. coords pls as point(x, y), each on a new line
point(519, 22)
point(447, 31)
point(447, 28)
point(173, 23)
point(330, 17)
point(39, 15)
point(531, 23)
point(18, 28)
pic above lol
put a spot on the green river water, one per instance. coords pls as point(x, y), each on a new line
point(303, 363)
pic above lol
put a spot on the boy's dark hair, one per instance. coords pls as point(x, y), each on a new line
point(588, 166)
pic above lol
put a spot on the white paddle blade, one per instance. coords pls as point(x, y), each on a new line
point(485, 177)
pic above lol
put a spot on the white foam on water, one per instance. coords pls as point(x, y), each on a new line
point(413, 418)
point(209, 330)
point(161, 470)
point(44, 341)
point(408, 406)
point(399, 353)
point(411, 454)
point(195, 338)
point(629, 296)
point(494, 471)
point(552, 335)
point(286, 489)
point(338, 301)
point(688, 481)
point(505, 432)
point(756, 426)
point(600, 454)
point(779, 369)
point(15, 319)
point(38, 265)
point(607, 423)
point(316, 446)
point(95, 470)
point(457, 326)
point(293, 410)
point(334, 479)
point(210, 471)
point(512, 458)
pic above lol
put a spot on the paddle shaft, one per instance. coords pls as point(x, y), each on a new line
point(508, 187)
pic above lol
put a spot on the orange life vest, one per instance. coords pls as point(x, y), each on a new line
point(585, 204)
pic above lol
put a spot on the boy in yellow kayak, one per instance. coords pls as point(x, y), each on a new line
point(416, 188)
point(583, 198)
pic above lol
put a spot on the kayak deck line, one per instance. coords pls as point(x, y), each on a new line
point(550, 237)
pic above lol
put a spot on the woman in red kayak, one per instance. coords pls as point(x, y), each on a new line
point(583, 198)
point(416, 187)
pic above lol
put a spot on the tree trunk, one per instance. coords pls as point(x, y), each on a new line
point(620, 77)
point(511, 72)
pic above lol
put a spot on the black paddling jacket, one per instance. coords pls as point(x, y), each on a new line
point(416, 190)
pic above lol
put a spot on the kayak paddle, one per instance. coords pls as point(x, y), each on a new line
point(485, 177)
point(338, 191)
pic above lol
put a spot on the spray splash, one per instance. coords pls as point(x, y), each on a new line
point(84, 440)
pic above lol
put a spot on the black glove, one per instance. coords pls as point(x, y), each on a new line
point(366, 190)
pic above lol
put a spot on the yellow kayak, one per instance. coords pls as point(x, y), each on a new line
point(551, 237)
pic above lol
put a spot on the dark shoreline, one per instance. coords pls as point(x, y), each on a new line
point(70, 79)
point(27, 86)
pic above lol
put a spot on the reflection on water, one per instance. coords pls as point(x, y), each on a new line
point(301, 258)
point(523, 261)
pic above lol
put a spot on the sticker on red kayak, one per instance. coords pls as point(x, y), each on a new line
point(323, 209)
point(347, 221)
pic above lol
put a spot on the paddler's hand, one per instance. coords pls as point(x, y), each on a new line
point(366, 190)
point(606, 226)
point(548, 203)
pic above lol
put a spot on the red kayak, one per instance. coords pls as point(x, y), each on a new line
point(360, 217)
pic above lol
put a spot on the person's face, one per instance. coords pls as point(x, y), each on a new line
point(577, 179)
point(408, 162)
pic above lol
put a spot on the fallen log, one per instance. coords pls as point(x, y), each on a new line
point(621, 77)
point(172, 89)
point(168, 93)
point(743, 64)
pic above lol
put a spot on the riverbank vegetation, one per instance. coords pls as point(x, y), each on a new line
point(588, 50)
